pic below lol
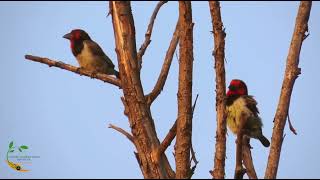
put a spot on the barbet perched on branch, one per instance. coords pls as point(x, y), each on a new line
point(89, 54)
point(242, 107)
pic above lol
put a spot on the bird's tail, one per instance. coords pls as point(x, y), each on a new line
point(264, 141)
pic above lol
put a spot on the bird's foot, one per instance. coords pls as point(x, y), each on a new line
point(78, 70)
point(93, 74)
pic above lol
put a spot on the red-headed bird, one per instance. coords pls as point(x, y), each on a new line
point(89, 54)
point(239, 103)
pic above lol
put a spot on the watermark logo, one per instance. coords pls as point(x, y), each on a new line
point(18, 159)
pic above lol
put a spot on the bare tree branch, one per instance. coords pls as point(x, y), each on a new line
point(291, 73)
point(148, 33)
point(218, 171)
point(194, 159)
point(292, 129)
point(169, 138)
point(240, 171)
point(184, 120)
point(165, 67)
point(122, 131)
point(247, 158)
point(139, 115)
point(77, 70)
point(173, 131)
point(194, 104)
point(193, 153)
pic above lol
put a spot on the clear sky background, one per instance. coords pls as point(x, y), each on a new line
point(63, 117)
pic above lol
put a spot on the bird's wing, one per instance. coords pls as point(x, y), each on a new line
point(251, 104)
point(97, 51)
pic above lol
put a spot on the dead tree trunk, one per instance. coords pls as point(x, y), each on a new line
point(152, 164)
point(291, 74)
point(184, 120)
point(218, 52)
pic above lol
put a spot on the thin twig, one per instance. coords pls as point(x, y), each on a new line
point(149, 32)
point(77, 70)
point(122, 131)
point(193, 154)
point(165, 67)
point(194, 159)
point(291, 127)
point(194, 104)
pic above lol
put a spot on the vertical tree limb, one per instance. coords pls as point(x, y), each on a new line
point(247, 158)
point(141, 122)
point(239, 170)
point(184, 123)
point(218, 171)
point(291, 73)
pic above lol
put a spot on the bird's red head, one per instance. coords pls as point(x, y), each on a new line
point(237, 88)
point(77, 36)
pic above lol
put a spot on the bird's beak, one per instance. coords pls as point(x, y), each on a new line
point(67, 36)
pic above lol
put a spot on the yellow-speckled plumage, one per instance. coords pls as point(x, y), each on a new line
point(242, 110)
point(253, 123)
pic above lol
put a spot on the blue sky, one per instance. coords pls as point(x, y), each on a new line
point(63, 117)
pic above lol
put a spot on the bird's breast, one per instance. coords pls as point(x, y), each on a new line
point(234, 112)
point(85, 58)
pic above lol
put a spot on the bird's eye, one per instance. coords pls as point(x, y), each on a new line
point(232, 88)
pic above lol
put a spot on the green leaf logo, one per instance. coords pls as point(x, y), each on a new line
point(11, 144)
point(24, 147)
point(11, 151)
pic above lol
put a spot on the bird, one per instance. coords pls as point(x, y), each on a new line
point(89, 54)
point(241, 106)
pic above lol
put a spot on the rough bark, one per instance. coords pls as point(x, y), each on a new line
point(152, 164)
point(218, 171)
point(247, 158)
point(184, 120)
point(291, 73)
